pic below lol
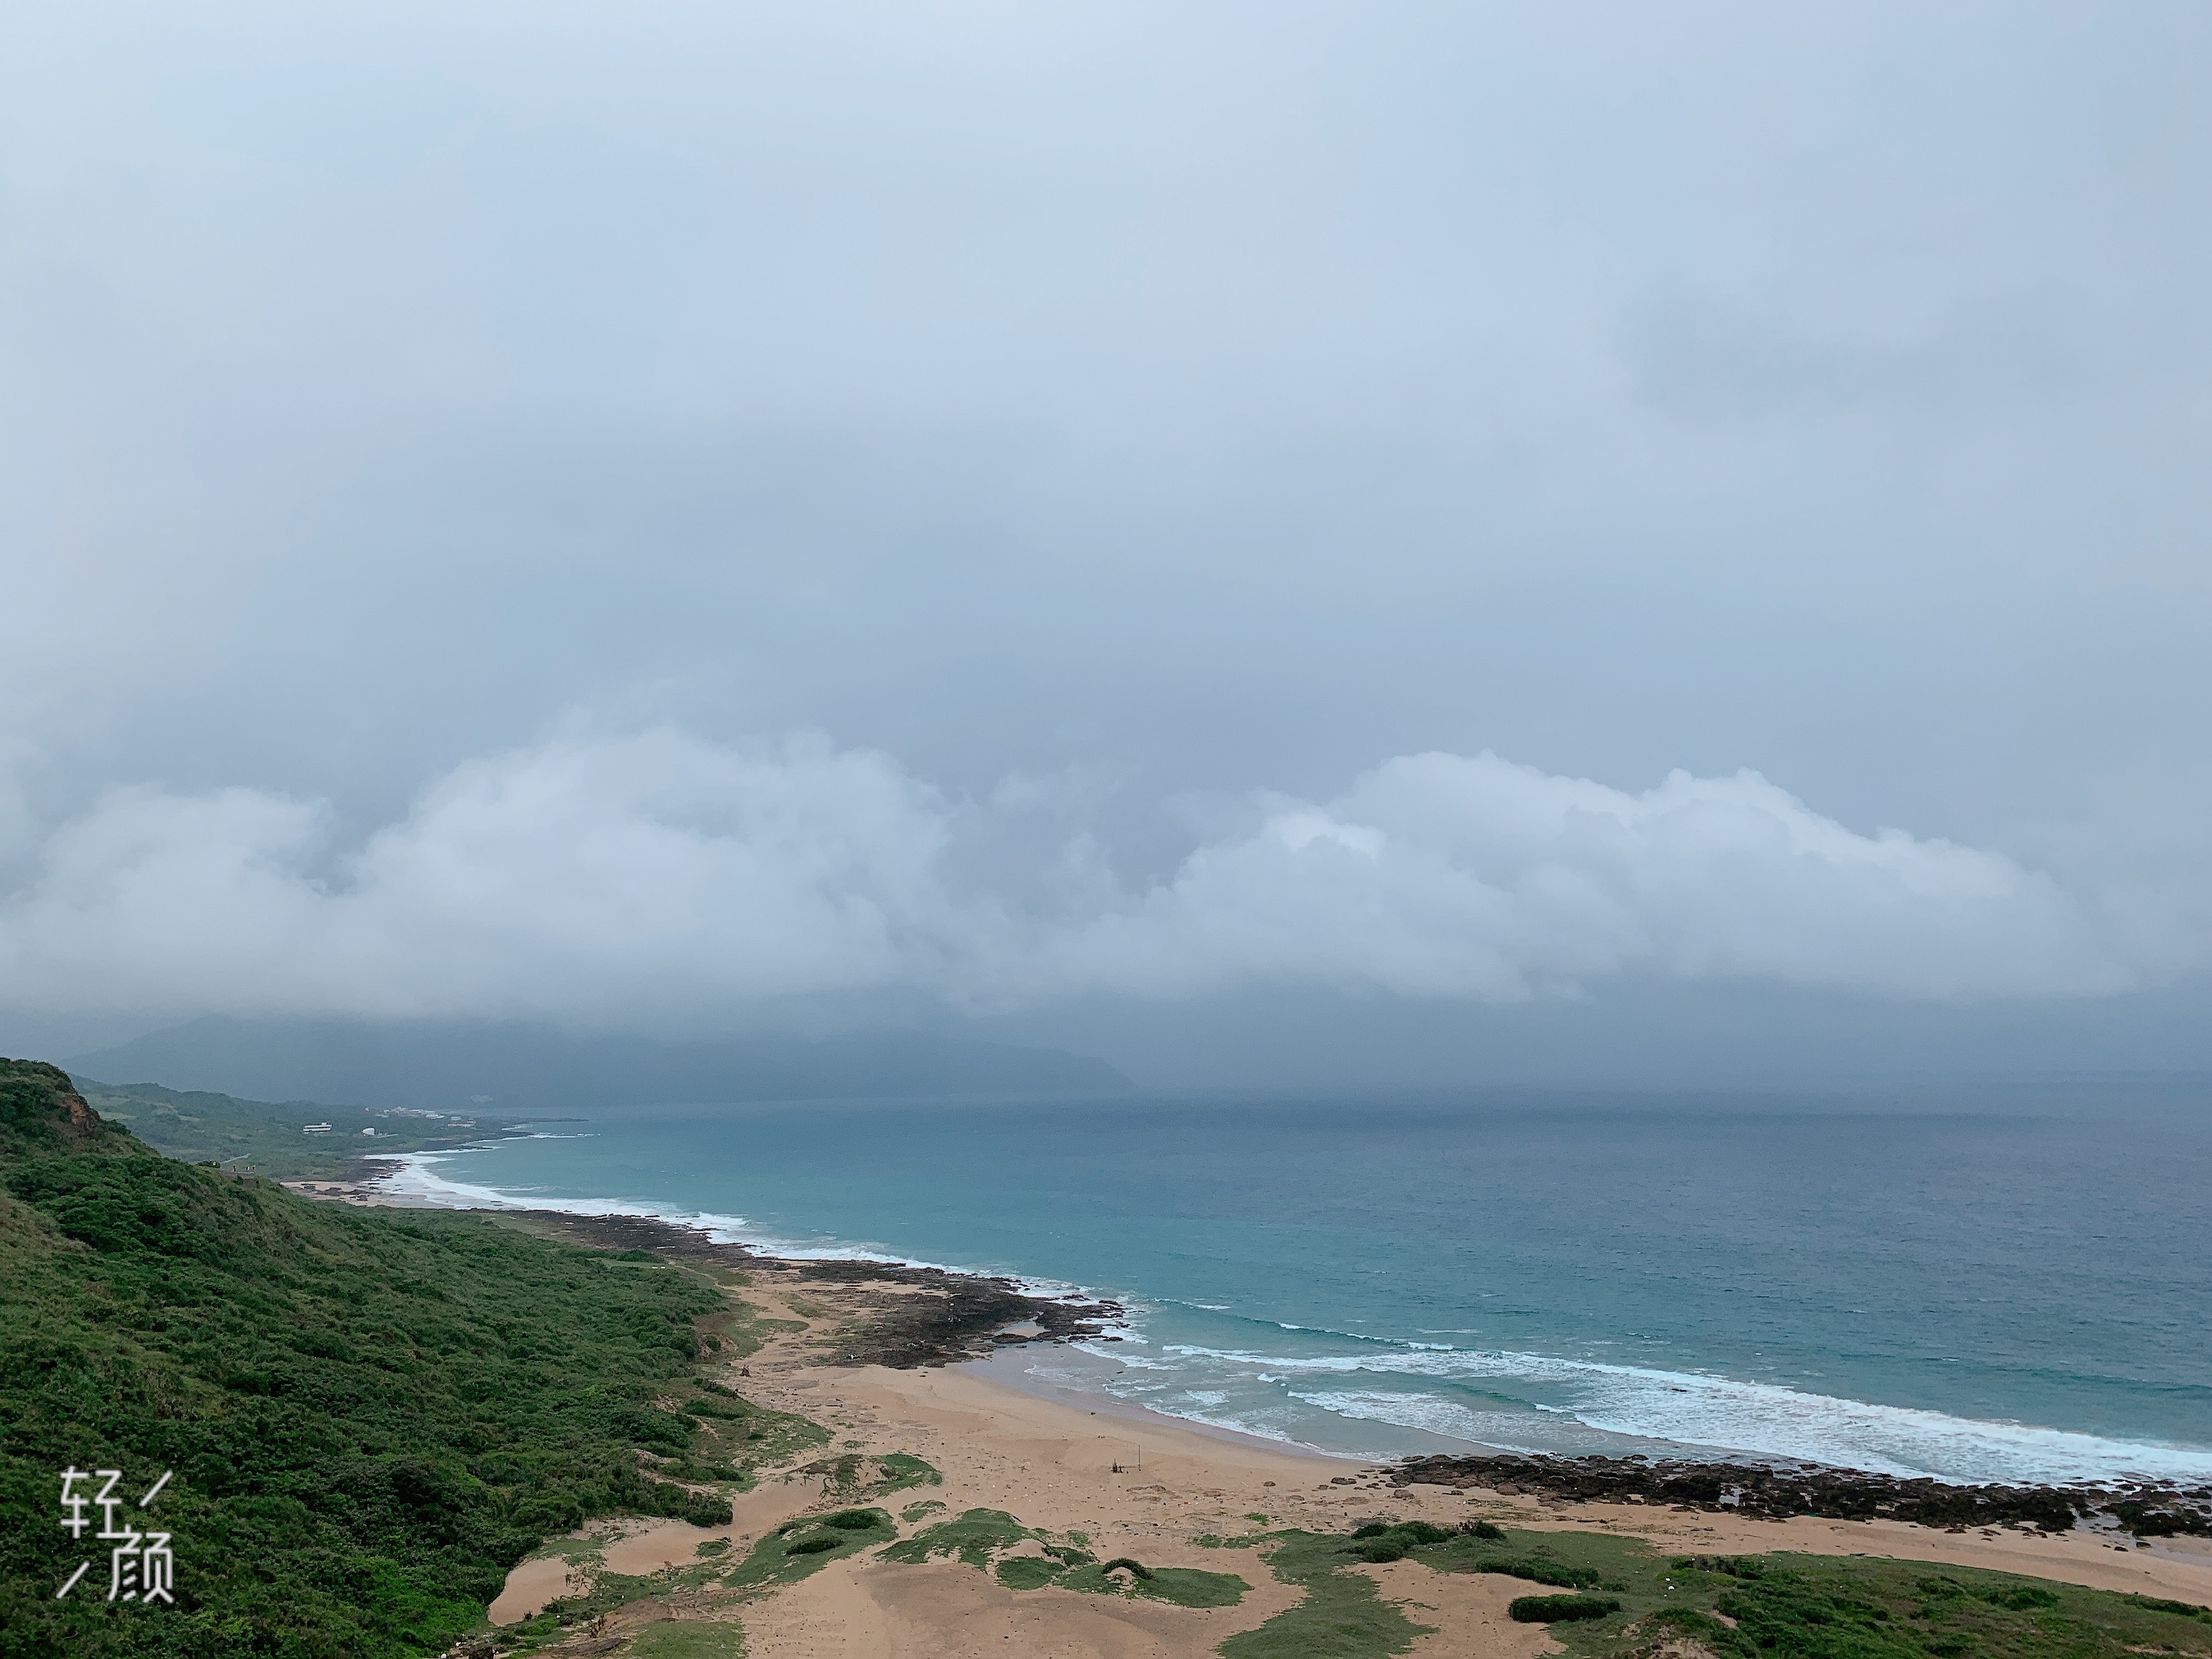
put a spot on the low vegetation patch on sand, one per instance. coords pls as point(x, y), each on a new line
point(1641, 1602)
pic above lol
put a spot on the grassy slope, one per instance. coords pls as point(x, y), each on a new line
point(371, 1416)
point(1341, 1616)
point(980, 1536)
point(1771, 1607)
point(1826, 1607)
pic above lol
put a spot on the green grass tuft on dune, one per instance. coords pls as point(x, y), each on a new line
point(1628, 1602)
point(798, 1548)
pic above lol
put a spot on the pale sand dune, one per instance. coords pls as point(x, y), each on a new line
point(638, 1547)
point(658, 1544)
point(882, 1610)
point(1465, 1612)
point(531, 1586)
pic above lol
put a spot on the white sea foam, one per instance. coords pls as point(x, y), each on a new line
point(414, 1175)
point(1505, 1431)
point(1592, 1405)
point(1135, 1362)
point(1691, 1409)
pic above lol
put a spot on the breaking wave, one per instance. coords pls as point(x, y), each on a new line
point(1488, 1398)
point(414, 1177)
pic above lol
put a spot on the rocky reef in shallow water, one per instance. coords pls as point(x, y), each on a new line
point(954, 1316)
point(1776, 1492)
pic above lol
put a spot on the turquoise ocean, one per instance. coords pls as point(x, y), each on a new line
point(1983, 1294)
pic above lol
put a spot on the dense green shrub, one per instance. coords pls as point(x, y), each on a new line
point(1559, 1609)
point(805, 1545)
point(371, 1415)
point(974, 1537)
point(1381, 1541)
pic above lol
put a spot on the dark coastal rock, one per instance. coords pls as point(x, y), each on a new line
point(1777, 1492)
point(957, 1315)
point(966, 1318)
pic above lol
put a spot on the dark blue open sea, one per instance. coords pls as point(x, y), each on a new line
point(1982, 1294)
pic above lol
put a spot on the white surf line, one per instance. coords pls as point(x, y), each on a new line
point(1705, 1415)
point(412, 1176)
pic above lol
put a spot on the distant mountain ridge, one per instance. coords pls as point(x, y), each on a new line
point(507, 1066)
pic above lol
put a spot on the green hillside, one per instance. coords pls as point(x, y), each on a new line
point(370, 1415)
point(289, 1140)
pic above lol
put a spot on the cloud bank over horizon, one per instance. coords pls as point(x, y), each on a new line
point(659, 879)
point(1175, 452)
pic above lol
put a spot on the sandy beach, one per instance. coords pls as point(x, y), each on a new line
point(1138, 1485)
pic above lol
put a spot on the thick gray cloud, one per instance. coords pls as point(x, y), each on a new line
point(654, 878)
point(1167, 410)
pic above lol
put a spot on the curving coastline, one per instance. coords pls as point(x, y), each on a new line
point(962, 1316)
point(975, 1313)
point(1260, 1302)
point(947, 1317)
point(882, 1355)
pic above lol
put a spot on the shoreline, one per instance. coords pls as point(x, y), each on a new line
point(918, 1365)
point(407, 1181)
point(1003, 1370)
point(1174, 1494)
point(391, 1186)
point(1709, 1479)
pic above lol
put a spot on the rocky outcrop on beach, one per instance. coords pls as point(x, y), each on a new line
point(943, 1319)
point(1779, 1491)
point(954, 1316)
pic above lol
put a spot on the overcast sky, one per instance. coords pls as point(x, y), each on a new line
point(1107, 521)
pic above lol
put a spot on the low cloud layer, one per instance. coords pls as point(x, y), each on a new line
point(1145, 404)
point(659, 876)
